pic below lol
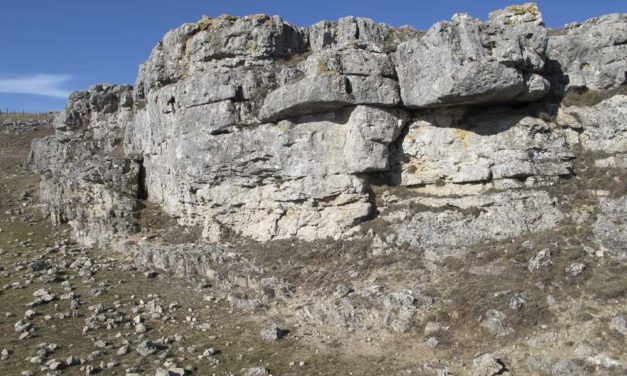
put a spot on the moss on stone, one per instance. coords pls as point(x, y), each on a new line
point(522, 9)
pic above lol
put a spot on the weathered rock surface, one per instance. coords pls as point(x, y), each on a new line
point(610, 228)
point(252, 127)
point(294, 178)
point(494, 146)
point(602, 127)
point(488, 365)
point(87, 181)
point(446, 226)
point(592, 54)
point(465, 61)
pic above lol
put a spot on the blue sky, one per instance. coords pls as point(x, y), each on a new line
point(51, 47)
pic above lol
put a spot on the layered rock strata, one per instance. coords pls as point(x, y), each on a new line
point(254, 127)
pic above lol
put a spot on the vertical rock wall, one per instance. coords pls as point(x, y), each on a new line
point(254, 127)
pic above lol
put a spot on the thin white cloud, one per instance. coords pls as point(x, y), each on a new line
point(47, 85)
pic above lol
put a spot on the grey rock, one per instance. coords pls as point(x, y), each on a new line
point(575, 269)
point(569, 368)
point(371, 307)
point(592, 54)
point(251, 127)
point(55, 365)
point(44, 296)
point(146, 348)
point(342, 290)
point(603, 126)
point(351, 31)
point(123, 350)
point(618, 162)
point(465, 61)
point(447, 226)
point(541, 260)
point(273, 174)
point(205, 260)
point(170, 372)
point(432, 342)
point(584, 350)
point(213, 40)
point(516, 302)
point(487, 365)
point(619, 323)
point(140, 328)
point(21, 326)
point(496, 145)
point(72, 361)
point(86, 182)
point(610, 228)
point(256, 371)
point(334, 80)
point(431, 328)
point(608, 362)
point(272, 333)
point(101, 344)
point(209, 352)
point(495, 322)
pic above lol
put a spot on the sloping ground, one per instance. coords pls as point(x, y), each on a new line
point(349, 308)
point(91, 301)
point(547, 303)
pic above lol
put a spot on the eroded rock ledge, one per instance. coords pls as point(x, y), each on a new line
point(251, 126)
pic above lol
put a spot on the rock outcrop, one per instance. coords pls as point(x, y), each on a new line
point(466, 61)
point(591, 55)
point(253, 127)
point(610, 228)
point(87, 180)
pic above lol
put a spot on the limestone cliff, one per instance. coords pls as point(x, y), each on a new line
point(256, 128)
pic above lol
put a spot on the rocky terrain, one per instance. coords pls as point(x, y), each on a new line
point(12, 123)
point(347, 198)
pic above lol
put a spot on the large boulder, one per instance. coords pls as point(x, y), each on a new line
point(188, 49)
point(496, 146)
point(591, 55)
point(465, 61)
point(298, 177)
